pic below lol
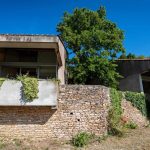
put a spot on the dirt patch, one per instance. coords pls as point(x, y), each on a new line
point(138, 139)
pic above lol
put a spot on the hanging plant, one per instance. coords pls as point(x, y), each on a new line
point(30, 87)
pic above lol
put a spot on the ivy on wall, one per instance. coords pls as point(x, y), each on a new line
point(115, 112)
point(30, 87)
point(137, 100)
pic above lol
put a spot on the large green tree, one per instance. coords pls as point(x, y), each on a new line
point(94, 42)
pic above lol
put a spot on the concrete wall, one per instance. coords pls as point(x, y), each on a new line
point(62, 69)
point(80, 108)
point(131, 67)
point(11, 94)
point(131, 83)
point(131, 70)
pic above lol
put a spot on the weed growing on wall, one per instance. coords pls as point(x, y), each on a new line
point(137, 100)
point(30, 87)
point(115, 113)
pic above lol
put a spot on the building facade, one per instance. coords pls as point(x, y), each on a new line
point(41, 56)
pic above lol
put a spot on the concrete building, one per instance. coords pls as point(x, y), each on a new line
point(41, 56)
point(136, 75)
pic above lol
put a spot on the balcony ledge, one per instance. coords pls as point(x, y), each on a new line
point(11, 94)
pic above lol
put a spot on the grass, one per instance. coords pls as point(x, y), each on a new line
point(2, 144)
point(130, 125)
point(17, 142)
point(134, 139)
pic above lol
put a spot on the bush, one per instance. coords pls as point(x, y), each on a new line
point(81, 139)
point(115, 112)
point(30, 87)
point(131, 125)
point(137, 100)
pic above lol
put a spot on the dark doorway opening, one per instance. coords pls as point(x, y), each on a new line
point(146, 88)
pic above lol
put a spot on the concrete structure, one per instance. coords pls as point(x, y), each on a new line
point(136, 75)
point(11, 94)
point(81, 108)
point(42, 56)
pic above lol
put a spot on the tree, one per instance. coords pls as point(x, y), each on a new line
point(123, 56)
point(95, 42)
point(141, 57)
point(131, 56)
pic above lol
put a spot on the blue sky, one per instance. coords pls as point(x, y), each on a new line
point(42, 16)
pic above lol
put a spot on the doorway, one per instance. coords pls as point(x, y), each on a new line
point(146, 88)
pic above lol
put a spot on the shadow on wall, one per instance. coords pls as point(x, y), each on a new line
point(25, 115)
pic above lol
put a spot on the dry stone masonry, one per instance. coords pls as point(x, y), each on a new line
point(80, 108)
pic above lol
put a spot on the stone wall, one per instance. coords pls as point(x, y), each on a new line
point(132, 114)
point(80, 108)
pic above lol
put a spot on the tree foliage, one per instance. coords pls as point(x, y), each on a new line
point(132, 56)
point(94, 42)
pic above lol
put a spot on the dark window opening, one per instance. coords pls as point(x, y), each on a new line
point(27, 56)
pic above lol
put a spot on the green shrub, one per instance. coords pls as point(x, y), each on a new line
point(81, 139)
point(131, 125)
point(30, 87)
point(2, 144)
point(115, 112)
point(137, 100)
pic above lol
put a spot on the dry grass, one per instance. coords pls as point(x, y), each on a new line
point(138, 139)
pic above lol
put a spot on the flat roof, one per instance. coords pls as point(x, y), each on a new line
point(29, 40)
point(136, 59)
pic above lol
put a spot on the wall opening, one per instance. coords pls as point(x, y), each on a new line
point(146, 88)
point(40, 63)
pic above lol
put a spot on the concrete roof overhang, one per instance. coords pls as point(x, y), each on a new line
point(34, 41)
point(128, 67)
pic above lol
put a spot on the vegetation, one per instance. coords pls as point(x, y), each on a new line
point(115, 113)
point(2, 144)
point(81, 139)
point(131, 56)
point(93, 42)
point(17, 142)
point(30, 87)
point(137, 100)
point(130, 125)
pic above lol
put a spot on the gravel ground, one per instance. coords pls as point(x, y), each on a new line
point(138, 139)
